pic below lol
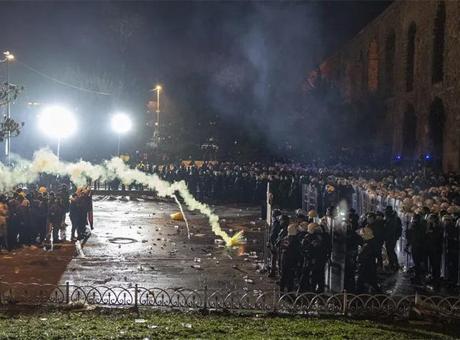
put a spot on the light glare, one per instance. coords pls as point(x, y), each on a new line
point(121, 123)
point(57, 122)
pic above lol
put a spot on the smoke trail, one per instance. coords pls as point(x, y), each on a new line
point(44, 161)
point(183, 215)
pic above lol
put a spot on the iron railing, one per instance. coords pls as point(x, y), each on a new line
point(343, 304)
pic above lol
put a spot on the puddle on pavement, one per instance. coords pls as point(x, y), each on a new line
point(122, 240)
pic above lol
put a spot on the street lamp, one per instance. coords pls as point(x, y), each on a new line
point(57, 122)
point(121, 123)
point(156, 133)
point(8, 57)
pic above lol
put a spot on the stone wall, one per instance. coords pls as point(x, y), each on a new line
point(367, 65)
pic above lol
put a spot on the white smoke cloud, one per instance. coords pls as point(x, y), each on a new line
point(45, 161)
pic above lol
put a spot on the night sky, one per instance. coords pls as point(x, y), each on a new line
point(238, 65)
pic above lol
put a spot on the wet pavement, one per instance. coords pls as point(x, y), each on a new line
point(137, 242)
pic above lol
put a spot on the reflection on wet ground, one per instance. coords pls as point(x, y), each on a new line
point(137, 242)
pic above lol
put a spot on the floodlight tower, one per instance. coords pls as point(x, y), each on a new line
point(121, 124)
point(58, 123)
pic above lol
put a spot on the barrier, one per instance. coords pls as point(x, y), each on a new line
point(134, 295)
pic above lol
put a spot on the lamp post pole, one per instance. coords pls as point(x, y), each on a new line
point(158, 109)
point(8, 58)
point(8, 113)
point(156, 132)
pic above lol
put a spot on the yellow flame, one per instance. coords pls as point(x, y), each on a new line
point(236, 239)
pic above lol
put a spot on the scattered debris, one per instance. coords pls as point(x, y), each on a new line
point(139, 321)
point(196, 266)
point(102, 282)
point(186, 325)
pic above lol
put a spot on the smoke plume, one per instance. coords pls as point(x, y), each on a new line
point(46, 162)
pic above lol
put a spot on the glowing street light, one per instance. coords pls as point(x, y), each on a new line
point(8, 57)
point(57, 122)
point(121, 124)
point(156, 133)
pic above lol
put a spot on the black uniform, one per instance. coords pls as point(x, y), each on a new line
point(452, 245)
point(434, 247)
point(367, 268)
point(290, 256)
point(392, 233)
point(315, 258)
point(416, 236)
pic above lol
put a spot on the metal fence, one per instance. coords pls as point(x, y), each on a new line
point(342, 304)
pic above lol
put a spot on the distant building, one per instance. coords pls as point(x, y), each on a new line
point(410, 57)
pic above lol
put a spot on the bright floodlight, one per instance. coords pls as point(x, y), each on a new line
point(57, 122)
point(121, 123)
point(8, 55)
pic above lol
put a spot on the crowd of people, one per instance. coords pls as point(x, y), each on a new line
point(36, 216)
point(225, 182)
point(304, 247)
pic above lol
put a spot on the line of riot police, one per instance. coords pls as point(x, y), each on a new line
point(343, 251)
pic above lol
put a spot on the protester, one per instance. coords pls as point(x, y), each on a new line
point(31, 216)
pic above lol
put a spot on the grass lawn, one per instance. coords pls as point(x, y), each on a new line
point(121, 324)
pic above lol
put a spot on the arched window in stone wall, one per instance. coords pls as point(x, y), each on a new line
point(437, 73)
point(373, 66)
point(390, 50)
point(436, 124)
point(410, 60)
point(409, 133)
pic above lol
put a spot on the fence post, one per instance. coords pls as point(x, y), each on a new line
point(67, 292)
point(274, 299)
point(135, 295)
point(205, 302)
point(345, 303)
